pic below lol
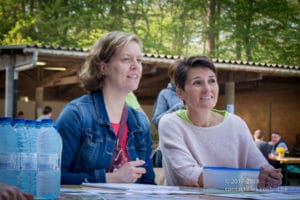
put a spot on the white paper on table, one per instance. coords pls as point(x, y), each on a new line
point(143, 188)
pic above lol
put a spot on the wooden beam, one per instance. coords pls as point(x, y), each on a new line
point(62, 81)
point(57, 75)
point(18, 61)
point(225, 76)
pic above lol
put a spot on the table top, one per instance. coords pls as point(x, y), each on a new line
point(77, 193)
point(288, 160)
point(157, 192)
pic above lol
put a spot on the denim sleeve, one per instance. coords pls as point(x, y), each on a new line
point(159, 109)
point(69, 127)
point(162, 106)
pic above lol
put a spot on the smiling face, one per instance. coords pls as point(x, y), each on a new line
point(275, 138)
point(201, 89)
point(124, 70)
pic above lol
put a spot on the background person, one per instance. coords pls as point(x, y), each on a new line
point(261, 144)
point(167, 102)
point(91, 124)
point(203, 136)
point(132, 101)
point(276, 141)
point(47, 113)
point(20, 114)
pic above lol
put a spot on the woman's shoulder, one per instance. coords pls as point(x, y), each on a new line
point(233, 118)
point(138, 117)
point(86, 98)
point(169, 117)
point(170, 120)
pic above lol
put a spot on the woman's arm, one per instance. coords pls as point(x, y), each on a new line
point(69, 125)
point(178, 160)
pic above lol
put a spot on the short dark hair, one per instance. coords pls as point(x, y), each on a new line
point(20, 113)
point(185, 65)
point(47, 110)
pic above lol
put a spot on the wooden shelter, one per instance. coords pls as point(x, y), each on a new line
point(54, 69)
point(253, 90)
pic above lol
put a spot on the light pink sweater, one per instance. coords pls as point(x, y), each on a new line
point(187, 148)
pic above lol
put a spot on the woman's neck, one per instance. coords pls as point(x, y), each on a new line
point(114, 103)
point(206, 118)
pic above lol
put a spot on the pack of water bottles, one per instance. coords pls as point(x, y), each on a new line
point(30, 156)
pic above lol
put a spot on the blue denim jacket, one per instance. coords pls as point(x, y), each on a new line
point(167, 102)
point(89, 139)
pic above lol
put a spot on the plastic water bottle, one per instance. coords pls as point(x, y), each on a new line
point(8, 150)
point(25, 158)
point(32, 135)
point(49, 145)
point(38, 125)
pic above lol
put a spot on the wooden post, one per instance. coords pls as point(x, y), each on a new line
point(229, 93)
point(9, 91)
point(39, 98)
point(229, 96)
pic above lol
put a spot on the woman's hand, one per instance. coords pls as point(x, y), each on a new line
point(8, 192)
point(270, 178)
point(128, 173)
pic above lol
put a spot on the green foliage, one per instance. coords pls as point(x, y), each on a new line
point(260, 31)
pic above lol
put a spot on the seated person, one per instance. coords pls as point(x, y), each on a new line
point(105, 140)
point(203, 136)
point(167, 102)
point(262, 145)
point(47, 113)
point(276, 141)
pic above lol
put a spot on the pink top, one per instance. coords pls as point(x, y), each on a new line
point(116, 127)
point(187, 148)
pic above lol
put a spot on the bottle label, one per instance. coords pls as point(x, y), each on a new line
point(8, 161)
point(28, 161)
point(49, 162)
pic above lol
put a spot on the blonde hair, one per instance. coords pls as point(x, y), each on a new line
point(103, 49)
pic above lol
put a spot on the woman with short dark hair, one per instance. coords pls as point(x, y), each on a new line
point(200, 135)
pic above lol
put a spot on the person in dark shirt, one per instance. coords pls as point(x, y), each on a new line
point(276, 141)
point(261, 144)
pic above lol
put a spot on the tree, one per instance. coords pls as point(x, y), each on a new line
point(260, 31)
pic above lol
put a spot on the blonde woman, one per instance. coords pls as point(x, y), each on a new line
point(98, 144)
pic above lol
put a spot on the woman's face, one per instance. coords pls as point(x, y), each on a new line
point(201, 89)
point(124, 69)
